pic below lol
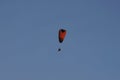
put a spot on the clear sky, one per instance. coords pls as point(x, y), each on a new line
point(29, 40)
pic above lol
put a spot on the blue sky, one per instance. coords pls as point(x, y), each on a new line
point(29, 40)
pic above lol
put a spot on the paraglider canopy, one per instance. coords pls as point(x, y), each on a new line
point(61, 35)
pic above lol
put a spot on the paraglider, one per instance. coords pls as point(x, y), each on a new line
point(61, 36)
point(59, 49)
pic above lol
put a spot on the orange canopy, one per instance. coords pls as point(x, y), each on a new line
point(61, 35)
